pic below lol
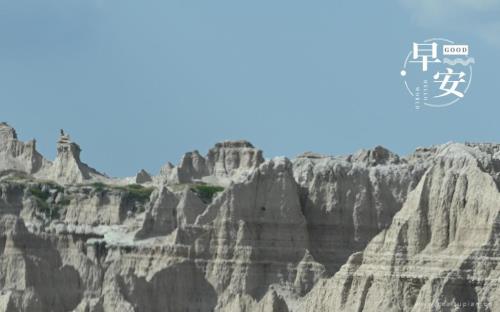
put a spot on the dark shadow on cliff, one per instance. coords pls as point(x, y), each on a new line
point(53, 286)
point(178, 288)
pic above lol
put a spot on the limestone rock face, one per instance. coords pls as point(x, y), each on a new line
point(192, 167)
point(34, 277)
point(18, 159)
point(253, 220)
point(161, 216)
point(68, 168)
point(86, 205)
point(348, 200)
point(440, 252)
point(230, 157)
point(143, 177)
point(190, 206)
point(168, 211)
point(272, 302)
point(229, 160)
point(232, 232)
point(377, 156)
point(16, 155)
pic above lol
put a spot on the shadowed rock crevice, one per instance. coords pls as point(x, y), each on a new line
point(180, 287)
point(234, 232)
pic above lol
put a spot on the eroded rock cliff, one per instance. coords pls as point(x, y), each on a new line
point(231, 231)
point(440, 252)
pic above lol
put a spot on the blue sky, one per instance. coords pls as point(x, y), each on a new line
point(138, 83)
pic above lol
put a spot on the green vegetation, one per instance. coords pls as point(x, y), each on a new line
point(133, 192)
point(206, 192)
point(51, 184)
point(65, 201)
point(99, 186)
point(51, 211)
point(15, 176)
point(137, 192)
point(39, 194)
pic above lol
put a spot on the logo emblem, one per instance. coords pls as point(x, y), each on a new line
point(437, 72)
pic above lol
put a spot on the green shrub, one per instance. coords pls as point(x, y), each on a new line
point(50, 211)
point(99, 186)
point(136, 192)
point(51, 184)
point(38, 193)
point(206, 192)
point(42, 204)
point(65, 201)
point(133, 192)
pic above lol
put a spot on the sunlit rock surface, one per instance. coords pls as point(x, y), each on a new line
point(232, 231)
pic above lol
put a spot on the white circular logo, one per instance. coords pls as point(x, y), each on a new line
point(437, 72)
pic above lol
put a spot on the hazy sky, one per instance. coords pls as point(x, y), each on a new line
point(138, 83)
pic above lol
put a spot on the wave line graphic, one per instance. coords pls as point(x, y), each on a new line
point(460, 61)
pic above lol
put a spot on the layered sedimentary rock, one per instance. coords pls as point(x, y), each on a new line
point(247, 224)
point(68, 168)
point(34, 276)
point(233, 157)
point(348, 200)
point(143, 177)
point(16, 155)
point(20, 158)
point(440, 253)
point(226, 161)
point(230, 231)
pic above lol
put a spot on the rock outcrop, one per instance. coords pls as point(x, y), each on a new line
point(143, 177)
point(440, 252)
point(258, 226)
point(225, 162)
point(68, 168)
point(348, 200)
point(231, 231)
point(16, 155)
point(34, 276)
point(233, 157)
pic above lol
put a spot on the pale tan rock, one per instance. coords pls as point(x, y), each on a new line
point(367, 232)
point(16, 155)
point(257, 226)
point(440, 250)
point(271, 302)
point(143, 177)
point(226, 161)
point(88, 205)
point(348, 200)
point(161, 215)
point(230, 157)
point(33, 273)
point(67, 167)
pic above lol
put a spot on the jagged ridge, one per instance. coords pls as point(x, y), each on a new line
point(370, 231)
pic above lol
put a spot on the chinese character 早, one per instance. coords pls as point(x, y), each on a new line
point(424, 51)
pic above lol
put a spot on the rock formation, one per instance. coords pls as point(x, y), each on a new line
point(225, 162)
point(68, 168)
point(143, 177)
point(22, 158)
point(348, 200)
point(16, 155)
point(440, 252)
point(230, 231)
point(232, 157)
